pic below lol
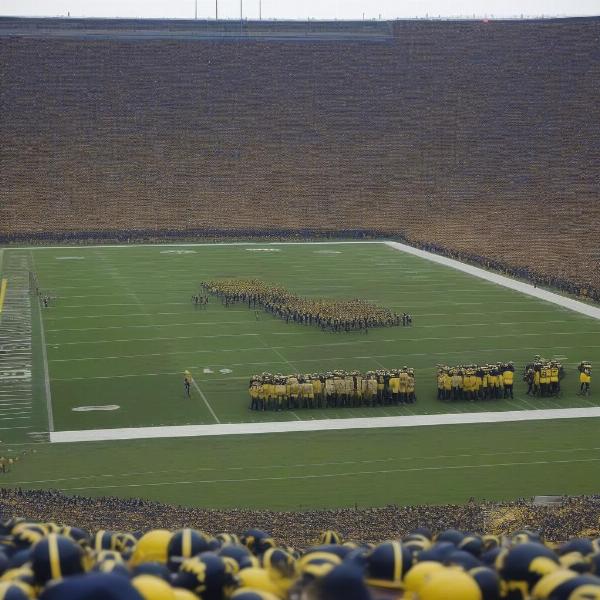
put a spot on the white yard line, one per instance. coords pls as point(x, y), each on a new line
point(212, 412)
point(319, 424)
point(200, 244)
point(524, 288)
point(45, 360)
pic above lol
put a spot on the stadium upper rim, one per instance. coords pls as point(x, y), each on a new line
point(93, 28)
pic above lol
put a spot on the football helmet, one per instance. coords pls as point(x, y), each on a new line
point(16, 590)
point(418, 574)
point(240, 554)
point(450, 584)
point(207, 575)
point(56, 556)
point(257, 541)
point(451, 535)
point(251, 594)
point(488, 581)
point(183, 544)
point(153, 588)
point(387, 564)
point(329, 536)
point(151, 547)
point(258, 579)
point(522, 566)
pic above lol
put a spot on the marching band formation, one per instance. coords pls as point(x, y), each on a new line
point(328, 314)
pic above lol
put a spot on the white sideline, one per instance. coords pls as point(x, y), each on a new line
point(131, 433)
point(525, 288)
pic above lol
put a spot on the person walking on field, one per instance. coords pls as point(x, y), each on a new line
point(187, 381)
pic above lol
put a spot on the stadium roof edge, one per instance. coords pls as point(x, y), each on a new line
point(467, 19)
point(275, 30)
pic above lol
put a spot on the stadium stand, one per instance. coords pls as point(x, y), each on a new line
point(416, 554)
point(573, 516)
point(476, 139)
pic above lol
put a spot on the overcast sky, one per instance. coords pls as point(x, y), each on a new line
point(300, 9)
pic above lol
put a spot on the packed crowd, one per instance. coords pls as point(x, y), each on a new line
point(332, 389)
point(572, 517)
point(475, 382)
point(50, 560)
point(543, 377)
point(328, 314)
point(536, 275)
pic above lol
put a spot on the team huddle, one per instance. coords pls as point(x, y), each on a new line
point(543, 377)
point(328, 314)
point(335, 389)
point(475, 382)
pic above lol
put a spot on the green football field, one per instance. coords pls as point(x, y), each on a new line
point(122, 330)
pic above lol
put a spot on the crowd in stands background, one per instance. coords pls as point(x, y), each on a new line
point(575, 516)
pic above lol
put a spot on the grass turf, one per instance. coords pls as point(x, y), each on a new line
point(123, 329)
point(432, 465)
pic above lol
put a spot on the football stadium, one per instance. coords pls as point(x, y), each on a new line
point(299, 309)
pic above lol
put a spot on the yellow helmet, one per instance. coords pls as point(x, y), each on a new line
point(247, 593)
point(330, 536)
point(23, 573)
point(548, 583)
point(258, 579)
point(183, 594)
point(153, 588)
point(575, 561)
point(450, 584)
point(418, 575)
point(152, 547)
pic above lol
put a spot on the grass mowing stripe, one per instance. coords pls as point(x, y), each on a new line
point(348, 343)
point(334, 475)
point(155, 339)
point(303, 448)
point(362, 356)
point(208, 323)
point(307, 465)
